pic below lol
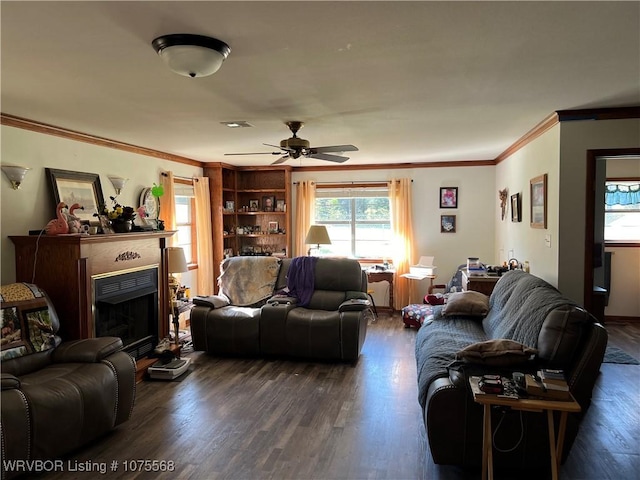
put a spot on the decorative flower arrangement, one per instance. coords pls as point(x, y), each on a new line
point(118, 213)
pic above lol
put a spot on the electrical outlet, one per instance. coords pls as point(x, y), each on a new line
point(547, 240)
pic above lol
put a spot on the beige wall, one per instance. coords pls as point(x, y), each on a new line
point(31, 207)
point(529, 244)
point(475, 215)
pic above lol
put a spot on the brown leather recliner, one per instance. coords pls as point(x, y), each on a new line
point(56, 396)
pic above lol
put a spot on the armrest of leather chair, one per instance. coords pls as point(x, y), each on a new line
point(10, 382)
point(354, 305)
point(212, 301)
point(90, 350)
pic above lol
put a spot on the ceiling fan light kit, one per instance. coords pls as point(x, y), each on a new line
point(295, 147)
point(191, 55)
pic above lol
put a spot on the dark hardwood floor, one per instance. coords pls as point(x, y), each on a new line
point(277, 419)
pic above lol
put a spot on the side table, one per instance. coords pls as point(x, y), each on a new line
point(383, 276)
point(528, 405)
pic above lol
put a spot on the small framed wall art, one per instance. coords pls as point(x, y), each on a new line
point(538, 190)
point(447, 224)
point(76, 187)
point(448, 197)
point(516, 208)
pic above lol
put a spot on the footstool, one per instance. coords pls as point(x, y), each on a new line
point(415, 315)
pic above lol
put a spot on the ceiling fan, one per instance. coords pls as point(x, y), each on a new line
point(296, 147)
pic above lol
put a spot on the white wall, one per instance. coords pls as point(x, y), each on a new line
point(32, 206)
point(528, 244)
point(576, 138)
point(475, 215)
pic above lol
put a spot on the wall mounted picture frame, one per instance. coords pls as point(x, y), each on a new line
point(538, 194)
point(268, 203)
point(72, 187)
point(448, 197)
point(447, 224)
point(516, 208)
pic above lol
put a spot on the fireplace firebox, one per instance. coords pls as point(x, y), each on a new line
point(126, 306)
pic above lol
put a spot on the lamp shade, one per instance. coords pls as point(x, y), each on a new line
point(191, 55)
point(118, 183)
point(176, 261)
point(318, 235)
point(15, 174)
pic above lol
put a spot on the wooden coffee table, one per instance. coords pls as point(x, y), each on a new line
point(528, 405)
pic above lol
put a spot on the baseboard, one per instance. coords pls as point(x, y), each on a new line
point(620, 319)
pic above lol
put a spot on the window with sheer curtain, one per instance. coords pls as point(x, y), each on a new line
point(622, 210)
point(186, 220)
point(357, 218)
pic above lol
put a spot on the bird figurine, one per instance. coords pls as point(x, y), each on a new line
point(58, 225)
point(72, 220)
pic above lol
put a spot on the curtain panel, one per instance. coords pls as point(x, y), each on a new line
point(305, 214)
point(402, 236)
point(204, 238)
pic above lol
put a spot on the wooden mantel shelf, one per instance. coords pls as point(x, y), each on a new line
point(65, 265)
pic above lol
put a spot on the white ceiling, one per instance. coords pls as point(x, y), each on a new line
point(403, 81)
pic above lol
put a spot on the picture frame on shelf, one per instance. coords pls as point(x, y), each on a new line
point(447, 224)
point(229, 206)
point(516, 208)
point(273, 227)
point(280, 206)
point(105, 224)
point(268, 203)
point(448, 197)
point(72, 187)
point(538, 194)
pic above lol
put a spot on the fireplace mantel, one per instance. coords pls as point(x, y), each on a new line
point(65, 265)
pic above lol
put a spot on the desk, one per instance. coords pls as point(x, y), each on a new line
point(383, 276)
point(481, 283)
point(529, 405)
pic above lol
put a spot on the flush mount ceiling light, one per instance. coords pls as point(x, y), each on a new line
point(191, 55)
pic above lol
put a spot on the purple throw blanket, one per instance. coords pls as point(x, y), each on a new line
point(300, 279)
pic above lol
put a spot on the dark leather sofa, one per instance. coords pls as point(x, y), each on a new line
point(528, 310)
point(331, 327)
point(56, 396)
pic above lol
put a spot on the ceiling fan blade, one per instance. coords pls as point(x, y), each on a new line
point(286, 149)
point(328, 157)
point(334, 148)
point(256, 153)
point(282, 159)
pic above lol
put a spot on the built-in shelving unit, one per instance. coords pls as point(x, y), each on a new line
point(250, 210)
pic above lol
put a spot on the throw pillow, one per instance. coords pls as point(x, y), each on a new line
point(469, 303)
point(496, 353)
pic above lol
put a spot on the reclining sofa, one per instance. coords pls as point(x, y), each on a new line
point(307, 307)
point(530, 311)
point(56, 396)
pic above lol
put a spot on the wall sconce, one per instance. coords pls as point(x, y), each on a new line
point(15, 174)
point(317, 234)
point(118, 183)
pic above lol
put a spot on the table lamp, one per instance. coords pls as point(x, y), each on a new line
point(176, 263)
point(317, 234)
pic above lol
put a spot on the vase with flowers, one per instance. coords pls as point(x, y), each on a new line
point(121, 217)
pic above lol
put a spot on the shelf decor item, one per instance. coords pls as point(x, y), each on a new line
point(121, 217)
point(538, 191)
point(268, 203)
point(516, 208)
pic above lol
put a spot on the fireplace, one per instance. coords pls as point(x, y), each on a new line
point(125, 305)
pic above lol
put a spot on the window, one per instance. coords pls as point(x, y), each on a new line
point(622, 210)
point(186, 220)
point(358, 220)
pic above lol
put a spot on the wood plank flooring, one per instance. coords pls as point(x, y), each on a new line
point(278, 419)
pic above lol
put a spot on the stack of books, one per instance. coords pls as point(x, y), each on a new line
point(548, 384)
